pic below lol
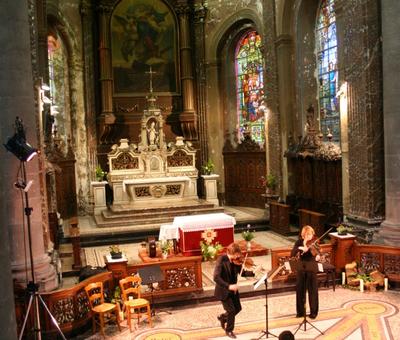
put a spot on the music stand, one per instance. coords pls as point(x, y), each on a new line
point(149, 276)
point(307, 267)
point(266, 332)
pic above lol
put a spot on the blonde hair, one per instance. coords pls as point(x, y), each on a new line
point(233, 248)
point(307, 229)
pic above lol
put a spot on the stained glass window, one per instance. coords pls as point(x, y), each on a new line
point(327, 69)
point(250, 87)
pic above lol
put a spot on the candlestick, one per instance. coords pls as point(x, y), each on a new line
point(386, 283)
point(343, 278)
point(361, 285)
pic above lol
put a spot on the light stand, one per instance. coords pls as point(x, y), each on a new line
point(24, 152)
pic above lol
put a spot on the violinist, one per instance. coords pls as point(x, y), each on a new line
point(305, 249)
point(227, 268)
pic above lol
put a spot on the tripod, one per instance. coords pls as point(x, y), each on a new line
point(306, 268)
point(32, 287)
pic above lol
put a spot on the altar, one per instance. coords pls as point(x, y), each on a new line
point(193, 229)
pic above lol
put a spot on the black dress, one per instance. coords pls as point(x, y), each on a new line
point(225, 274)
point(306, 281)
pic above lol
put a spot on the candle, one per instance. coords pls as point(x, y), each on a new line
point(386, 283)
point(361, 286)
point(121, 316)
point(343, 278)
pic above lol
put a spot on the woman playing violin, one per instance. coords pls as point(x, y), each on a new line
point(305, 250)
point(227, 268)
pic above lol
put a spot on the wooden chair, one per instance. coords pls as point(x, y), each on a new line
point(130, 291)
point(98, 307)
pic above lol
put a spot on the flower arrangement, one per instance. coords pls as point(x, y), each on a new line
point(208, 168)
point(247, 234)
point(115, 252)
point(100, 174)
point(210, 251)
point(343, 229)
point(269, 182)
point(165, 246)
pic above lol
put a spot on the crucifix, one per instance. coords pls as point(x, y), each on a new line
point(151, 79)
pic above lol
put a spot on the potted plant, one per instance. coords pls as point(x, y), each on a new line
point(343, 229)
point(115, 252)
point(208, 168)
point(165, 246)
point(248, 235)
point(100, 174)
point(210, 251)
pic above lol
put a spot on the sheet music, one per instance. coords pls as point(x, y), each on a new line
point(260, 281)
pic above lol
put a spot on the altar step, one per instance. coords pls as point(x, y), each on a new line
point(150, 214)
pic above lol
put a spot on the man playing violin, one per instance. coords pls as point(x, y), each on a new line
point(305, 250)
point(227, 268)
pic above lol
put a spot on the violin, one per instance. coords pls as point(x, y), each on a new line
point(244, 261)
point(313, 246)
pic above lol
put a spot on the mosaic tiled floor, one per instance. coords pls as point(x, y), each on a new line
point(344, 314)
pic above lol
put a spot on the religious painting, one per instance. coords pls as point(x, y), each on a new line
point(143, 35)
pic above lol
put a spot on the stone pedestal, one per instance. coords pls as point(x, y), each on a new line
point(210, 188)
point(99, 196)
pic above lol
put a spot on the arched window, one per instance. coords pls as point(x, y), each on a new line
point(327, 69)
point(59, 86)
point(250, 87)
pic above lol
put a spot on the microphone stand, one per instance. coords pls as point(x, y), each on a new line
point(32, 286)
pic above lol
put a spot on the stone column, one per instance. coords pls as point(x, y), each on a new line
point(273, 118)
point(284, 54)
point(201, 79)
point(390, 228)
point(188, 117)
point(17, 99)
point(107, 117)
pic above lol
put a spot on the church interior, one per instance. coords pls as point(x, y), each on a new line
point(142, 137)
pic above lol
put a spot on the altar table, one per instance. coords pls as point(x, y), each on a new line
point(218, 227)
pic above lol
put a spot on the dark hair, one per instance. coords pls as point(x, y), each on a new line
point(286, 335)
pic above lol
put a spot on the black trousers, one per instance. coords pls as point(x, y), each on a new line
point(232, 307)
point(306, 281)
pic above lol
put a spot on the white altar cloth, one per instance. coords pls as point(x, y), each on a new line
point(205, 221)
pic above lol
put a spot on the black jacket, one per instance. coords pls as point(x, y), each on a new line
point(223, 278)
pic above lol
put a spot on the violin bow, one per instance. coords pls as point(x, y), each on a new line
point(323, 235)
point(244, 261)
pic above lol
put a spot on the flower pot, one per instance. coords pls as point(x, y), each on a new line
point(164, 256)
point(115, 256)
point(248, 245)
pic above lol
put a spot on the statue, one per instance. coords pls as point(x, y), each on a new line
point(152, 134)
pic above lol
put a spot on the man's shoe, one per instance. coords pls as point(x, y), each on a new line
point(222, 321)
point(231, 335)
point(313, 316)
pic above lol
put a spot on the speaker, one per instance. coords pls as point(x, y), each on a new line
point(151, 274)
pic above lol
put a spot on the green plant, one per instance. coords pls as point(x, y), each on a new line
point(209, 251)
point(270, 182)
point(343, 229)
point(114, 249)
point(100, 174)
point(165, 246)
point(208, 168)
point(247, 234)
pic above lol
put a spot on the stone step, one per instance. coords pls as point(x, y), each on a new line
point(109, 220)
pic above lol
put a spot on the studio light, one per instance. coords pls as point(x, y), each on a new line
point(20, 148)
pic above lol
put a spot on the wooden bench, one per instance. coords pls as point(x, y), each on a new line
point(312, 218)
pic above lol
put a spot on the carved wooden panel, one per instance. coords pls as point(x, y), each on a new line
point(242, 172)
point(316, 185)
point(279, 217)
point(66, 189)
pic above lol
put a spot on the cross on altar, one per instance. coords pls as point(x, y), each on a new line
point(151, 72)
